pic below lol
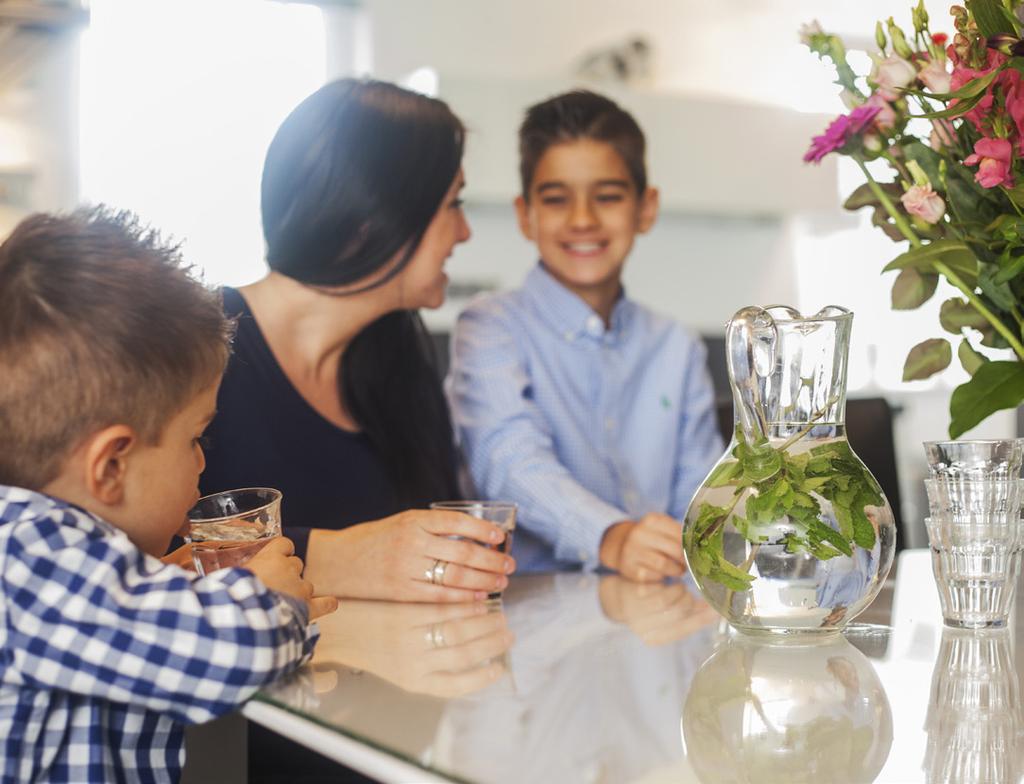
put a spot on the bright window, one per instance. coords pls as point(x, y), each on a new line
point(179, 100)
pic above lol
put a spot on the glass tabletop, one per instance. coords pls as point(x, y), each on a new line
point(590, 678)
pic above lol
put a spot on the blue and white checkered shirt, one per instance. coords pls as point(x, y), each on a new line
point(579, 425)
point(106, 652)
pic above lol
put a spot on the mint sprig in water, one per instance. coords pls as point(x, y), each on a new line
point(783, 490)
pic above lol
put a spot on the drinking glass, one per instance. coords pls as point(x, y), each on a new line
point(974, 718)
point(976, 563)
point(975, 459)
point(501, 513)
point(229, 528)
point(974, 528)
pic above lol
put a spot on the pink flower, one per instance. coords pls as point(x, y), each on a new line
point(962, 75)
point(942, 135)
point(922, 201)
point(935, 77)
point(890, 74)
point(886, 117)
point(839, 132)
point(993, 158)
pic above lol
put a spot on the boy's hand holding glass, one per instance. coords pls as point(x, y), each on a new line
point(280, 570)
point(648, 550)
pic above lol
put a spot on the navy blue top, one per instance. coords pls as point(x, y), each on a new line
point(265, 434)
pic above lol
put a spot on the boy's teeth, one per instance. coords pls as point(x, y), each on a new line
point(584, 247)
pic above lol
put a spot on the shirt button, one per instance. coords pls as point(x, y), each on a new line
point(609, 424)
point(568, 336)
point(583, 555)
point(594, 325)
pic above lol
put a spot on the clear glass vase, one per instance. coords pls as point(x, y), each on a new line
point(790, 532)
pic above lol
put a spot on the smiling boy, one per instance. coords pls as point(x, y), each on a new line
point(591, 412)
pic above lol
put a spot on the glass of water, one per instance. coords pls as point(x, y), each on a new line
point(227, 529)
point(501, 513)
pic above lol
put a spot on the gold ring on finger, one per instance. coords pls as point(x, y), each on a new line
point(437, 572)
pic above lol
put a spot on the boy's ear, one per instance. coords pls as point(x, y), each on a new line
point(649, 204)
point(523, 214)
point(106, 463)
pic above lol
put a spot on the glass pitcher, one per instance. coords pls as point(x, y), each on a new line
point(789, 532)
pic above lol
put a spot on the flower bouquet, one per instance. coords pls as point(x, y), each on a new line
point(946, 118)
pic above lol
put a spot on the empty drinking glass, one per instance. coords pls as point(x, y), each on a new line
point(974, 496)
point(975, 459)
point(974, 719)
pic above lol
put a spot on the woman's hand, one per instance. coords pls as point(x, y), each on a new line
point(397, 557)
point(280, 570)
point(647, 551)
point(446, 650)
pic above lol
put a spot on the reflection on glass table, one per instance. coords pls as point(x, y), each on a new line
point(787, 713)
point(582, 678)
point(974, 714)
point(595, 660)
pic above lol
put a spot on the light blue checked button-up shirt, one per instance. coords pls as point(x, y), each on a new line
point(579, 425)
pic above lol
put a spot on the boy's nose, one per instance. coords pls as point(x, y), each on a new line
point(582, 215)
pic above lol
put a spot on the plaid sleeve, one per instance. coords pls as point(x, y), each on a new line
point(90, 614)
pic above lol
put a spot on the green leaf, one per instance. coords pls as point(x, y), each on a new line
point(864, 195)
point(953, 253)
point(912, 288)
point(724, 474)
point(926, 359)
point(993, 387)
point(1010, 271)
point(970, 358)
point(863, 531)
point(990, 17)
point(880, 217)
point(826, 533)
point(956, 314)
point(974, 90)
point(1000, 293)
point(962, 106)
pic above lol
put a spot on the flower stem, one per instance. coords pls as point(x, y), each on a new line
point(979, 306)
point(901, 222)
point(907, 231)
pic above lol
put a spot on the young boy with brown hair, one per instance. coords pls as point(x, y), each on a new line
point(591, 412)
point(110, 360)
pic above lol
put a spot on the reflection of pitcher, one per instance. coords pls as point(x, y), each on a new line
point(974, 714)
point(787, 713)
point(789, 532)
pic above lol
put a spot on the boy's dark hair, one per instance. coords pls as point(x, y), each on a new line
point(580, 114)
point(100, 324)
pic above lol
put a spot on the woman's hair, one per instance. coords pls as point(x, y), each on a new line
point(351, 181)
point(580, 114)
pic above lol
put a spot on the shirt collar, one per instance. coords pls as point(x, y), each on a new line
point(17, 503)
point(569, 315)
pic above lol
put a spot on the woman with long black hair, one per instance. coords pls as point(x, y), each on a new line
point(332, 394)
